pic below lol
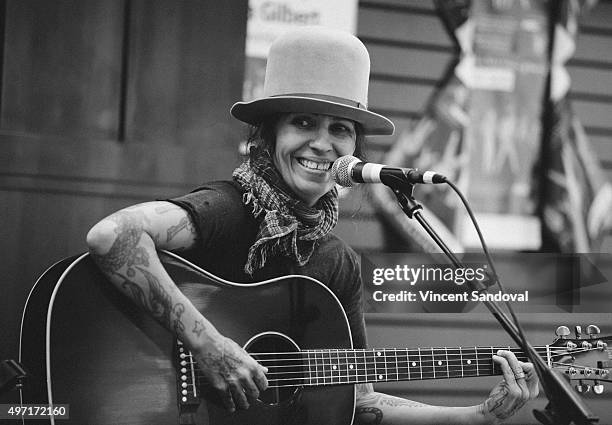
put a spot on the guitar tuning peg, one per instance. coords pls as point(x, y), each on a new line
point(598, 388)
point(593, 331)
point(583, 388)
point(578, 331)
point(562, 332)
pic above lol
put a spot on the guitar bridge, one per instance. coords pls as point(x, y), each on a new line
point(186, 378)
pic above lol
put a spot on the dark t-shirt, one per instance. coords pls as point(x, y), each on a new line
point(226, 230)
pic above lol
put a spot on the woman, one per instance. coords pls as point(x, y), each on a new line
point(275, 218)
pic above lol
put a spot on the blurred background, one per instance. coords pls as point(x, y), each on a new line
point(108, 103)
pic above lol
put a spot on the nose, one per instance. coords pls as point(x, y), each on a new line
point(321, 141)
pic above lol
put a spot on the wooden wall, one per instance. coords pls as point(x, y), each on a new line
point(410, 52)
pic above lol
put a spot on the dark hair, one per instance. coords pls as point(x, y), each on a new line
point(262, 137)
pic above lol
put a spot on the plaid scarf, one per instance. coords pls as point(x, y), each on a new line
point(287, 226)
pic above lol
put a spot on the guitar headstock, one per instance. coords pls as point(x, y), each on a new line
point(585, 359)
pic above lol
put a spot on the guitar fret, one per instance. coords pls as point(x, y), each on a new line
point(433, 362)
point(408, 363)
point(420, 363)
point(397, 370)
point(461, 357)
point(309, 368)
point(447, 367)
point(384, 356)
point(329, 374)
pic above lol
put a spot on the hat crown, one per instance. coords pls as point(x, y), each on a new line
point(318, 61)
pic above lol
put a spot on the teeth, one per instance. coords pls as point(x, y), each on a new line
point(323, 166)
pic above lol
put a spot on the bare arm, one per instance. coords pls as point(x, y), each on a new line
point(124, 245)
point(378, 408)
point(505, 399)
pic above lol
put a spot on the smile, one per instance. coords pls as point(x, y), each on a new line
point(314, 165)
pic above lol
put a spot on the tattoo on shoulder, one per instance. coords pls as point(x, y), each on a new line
point(184, 224)
point(163, 209)
point(368, 416)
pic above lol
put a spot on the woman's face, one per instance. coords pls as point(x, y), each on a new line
point(306, 147)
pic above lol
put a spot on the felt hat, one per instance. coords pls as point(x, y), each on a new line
point(316, 70)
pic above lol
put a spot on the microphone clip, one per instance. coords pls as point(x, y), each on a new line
point(403, 193)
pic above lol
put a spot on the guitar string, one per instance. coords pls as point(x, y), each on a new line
point(400, 358)
point(401, 355)
point(423, 352)
point(485, 370)
point(357, 379)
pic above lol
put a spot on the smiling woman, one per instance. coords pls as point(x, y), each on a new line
point(275, 218)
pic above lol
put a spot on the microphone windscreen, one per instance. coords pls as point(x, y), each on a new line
point(341, 170)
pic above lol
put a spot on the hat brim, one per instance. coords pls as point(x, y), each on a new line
point(255, 111)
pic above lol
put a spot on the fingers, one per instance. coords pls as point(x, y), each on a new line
point(226, 397)
point(532, 379)
point(518, 372)
point(239, 396)
point(518, 375)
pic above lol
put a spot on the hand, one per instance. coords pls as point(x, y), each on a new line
point(520, 384)
point(232, 372)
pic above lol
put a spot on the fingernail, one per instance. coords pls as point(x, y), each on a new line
point(499, 352)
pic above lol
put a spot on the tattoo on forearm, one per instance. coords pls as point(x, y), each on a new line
point(368, 415)
point(135, 292)
point(396, 402)
point(387, 400)
point(158, 301)
point(179, 326)
point(198, 328)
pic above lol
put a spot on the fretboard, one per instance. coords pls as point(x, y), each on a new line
point(328, 367)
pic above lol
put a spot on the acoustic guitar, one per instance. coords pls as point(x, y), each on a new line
point(88, 346)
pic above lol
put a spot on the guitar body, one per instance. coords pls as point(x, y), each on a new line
point(88, 346)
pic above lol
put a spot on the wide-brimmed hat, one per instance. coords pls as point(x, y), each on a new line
point(316, 70)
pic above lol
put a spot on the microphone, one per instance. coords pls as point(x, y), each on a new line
point(348, 170)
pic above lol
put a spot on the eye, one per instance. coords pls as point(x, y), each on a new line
point(303, 121)
point(342, 129)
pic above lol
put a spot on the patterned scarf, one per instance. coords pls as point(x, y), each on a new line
point(287, 226)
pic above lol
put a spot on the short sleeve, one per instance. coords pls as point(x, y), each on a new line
point(224, 226)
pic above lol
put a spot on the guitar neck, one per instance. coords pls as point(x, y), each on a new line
point(327, 367)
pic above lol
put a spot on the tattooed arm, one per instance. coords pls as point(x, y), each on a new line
point(375, 408)
point(506, 399)
point(124, 246)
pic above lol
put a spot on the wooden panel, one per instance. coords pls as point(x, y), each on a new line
point(424, 5)
point(62, 81)
point(406, 62)
point(596, 114)
point(406, 27)
point(591, 80)
point(593, 48)
point(399, 97)
point(137, 170)
point(602, 145)
point(185, 60)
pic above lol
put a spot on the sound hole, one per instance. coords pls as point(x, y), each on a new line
point(285, 366)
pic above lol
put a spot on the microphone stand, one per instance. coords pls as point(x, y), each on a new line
point(564, 407)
